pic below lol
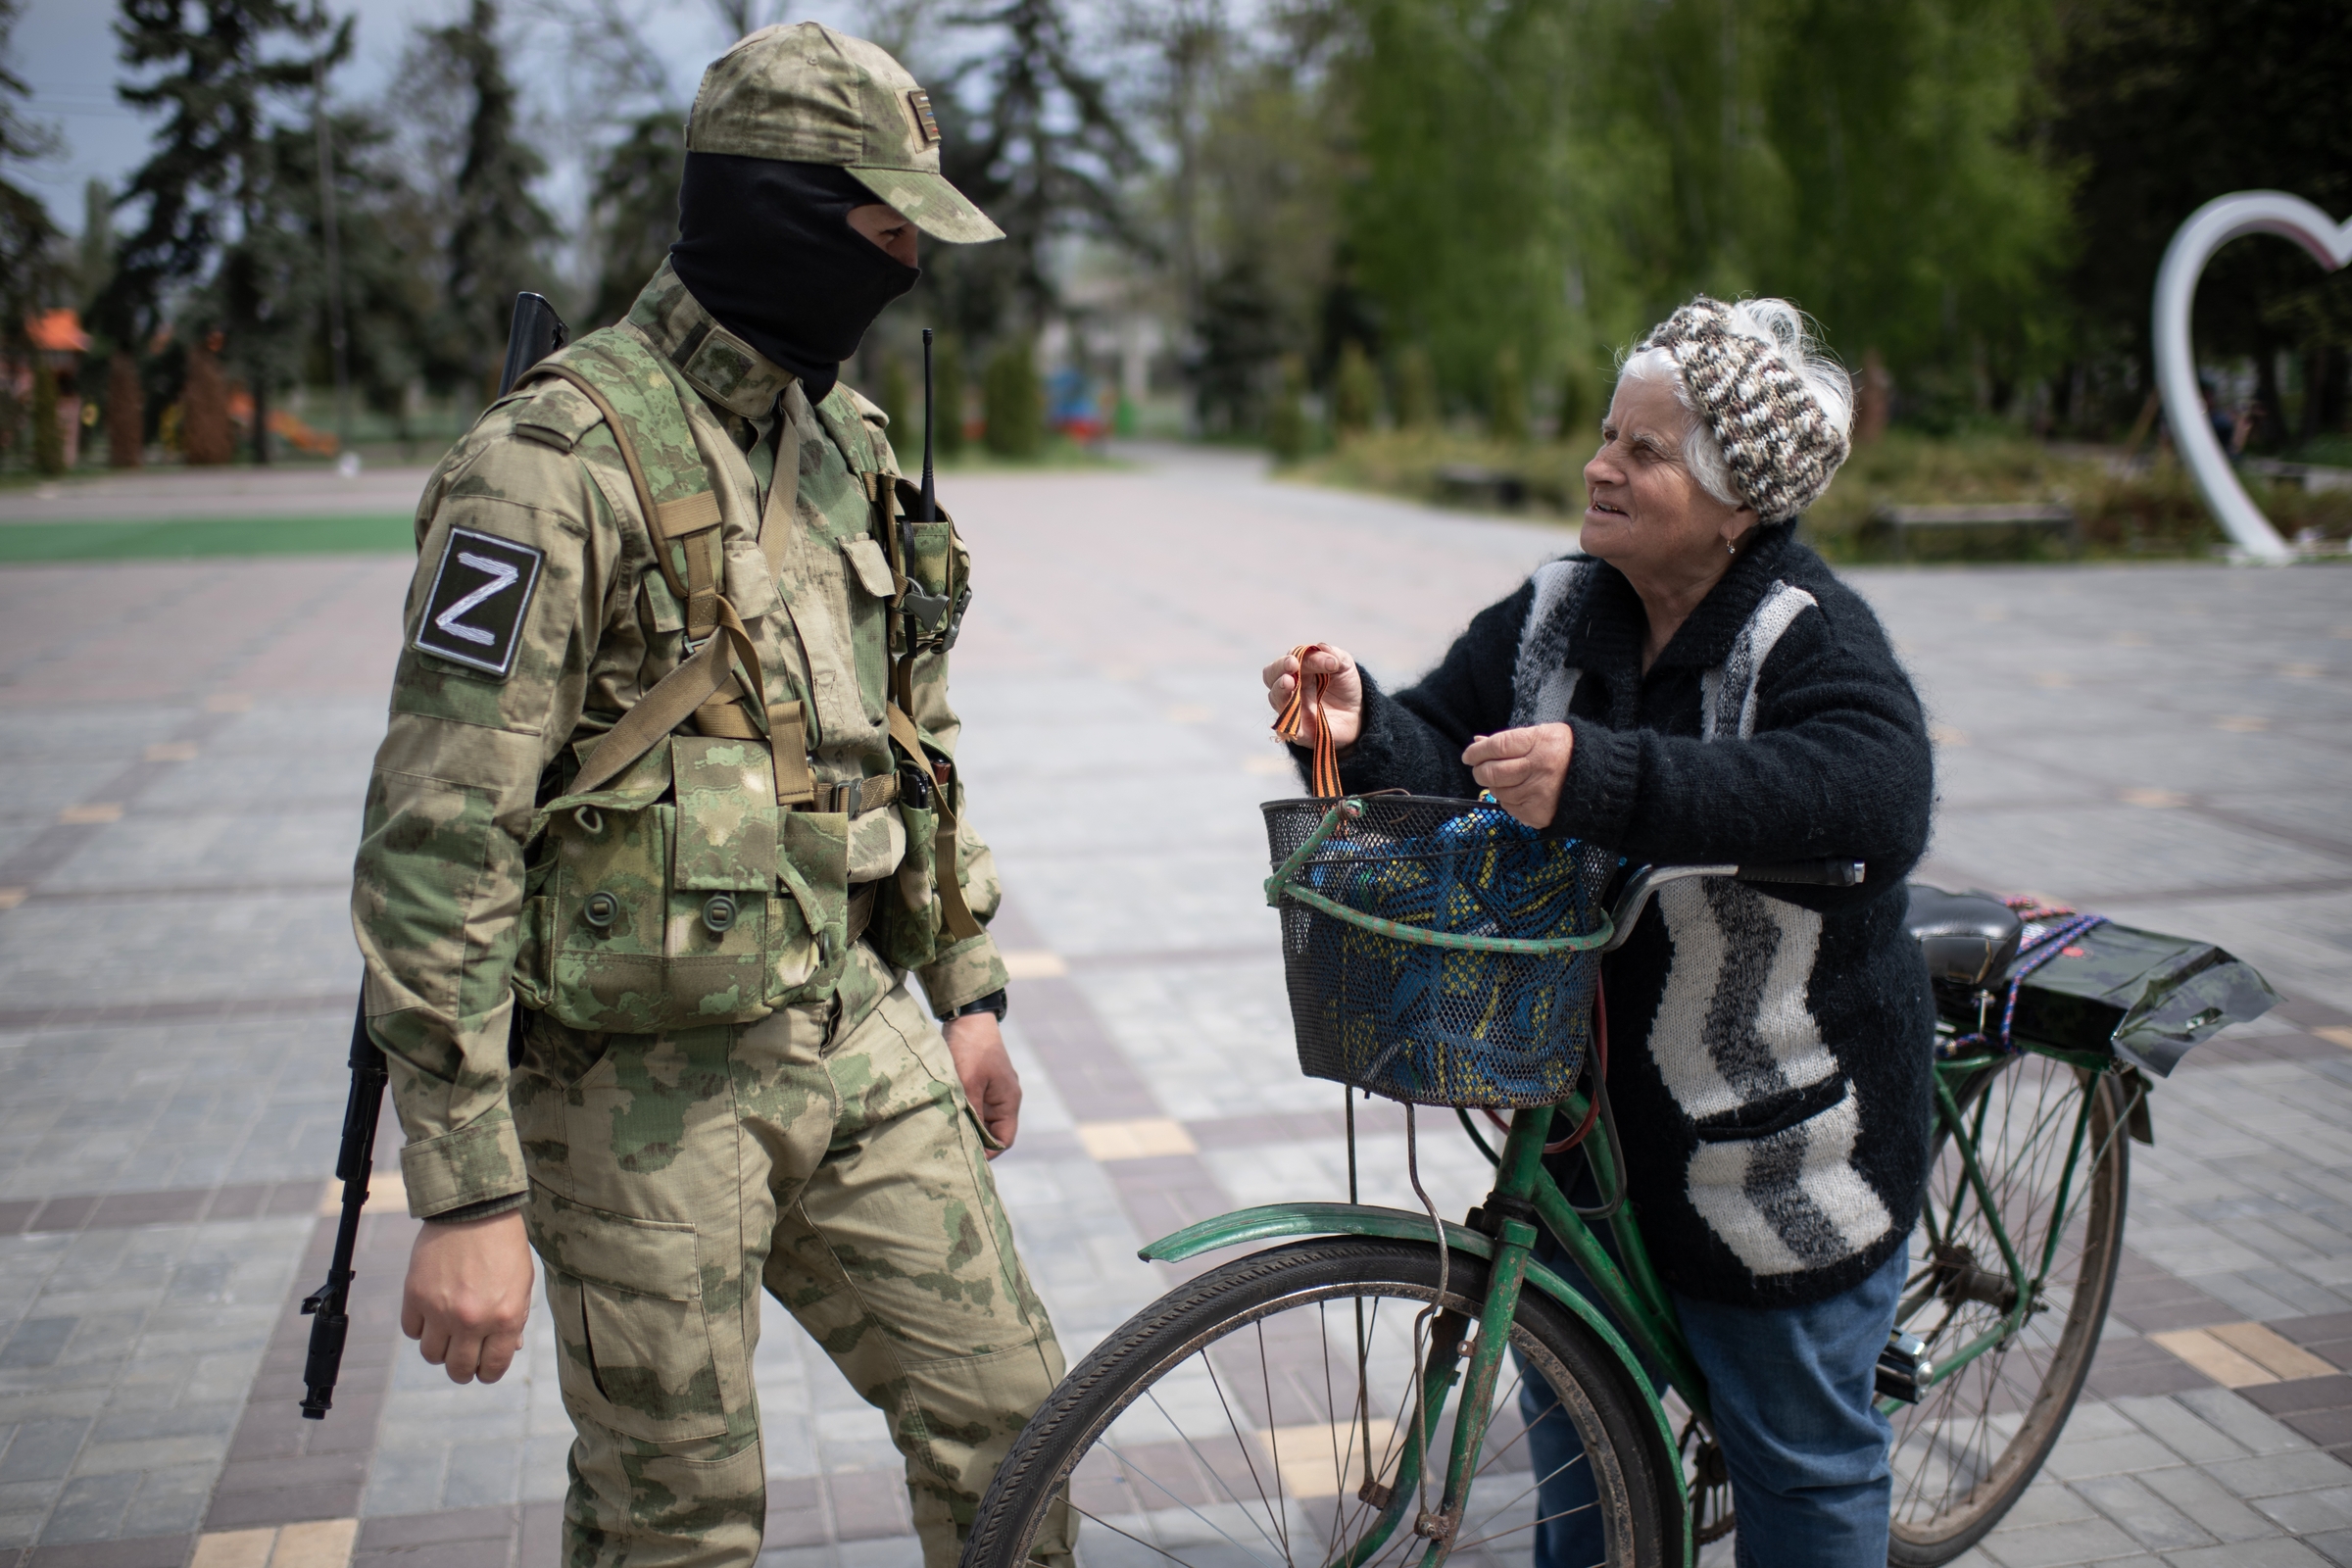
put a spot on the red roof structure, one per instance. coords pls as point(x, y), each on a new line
point(58, 332)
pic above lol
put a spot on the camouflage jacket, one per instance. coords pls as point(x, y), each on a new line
point(537, 498)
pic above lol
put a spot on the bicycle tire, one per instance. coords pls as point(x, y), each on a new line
point(2029, 1384)
point(1159, 1344)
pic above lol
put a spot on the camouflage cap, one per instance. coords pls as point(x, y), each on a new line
point(807, 94)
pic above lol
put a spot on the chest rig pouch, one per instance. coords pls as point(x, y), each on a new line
point(682, 877)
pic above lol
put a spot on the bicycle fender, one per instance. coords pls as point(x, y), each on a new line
point(1269, 1221)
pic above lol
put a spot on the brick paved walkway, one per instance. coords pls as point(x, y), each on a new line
point(181, 753)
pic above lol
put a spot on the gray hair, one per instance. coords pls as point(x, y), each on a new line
point(1780, 334)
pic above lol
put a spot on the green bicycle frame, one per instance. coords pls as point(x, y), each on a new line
point(1629, 1309)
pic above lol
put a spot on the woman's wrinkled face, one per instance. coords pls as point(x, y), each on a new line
point(1647, 514)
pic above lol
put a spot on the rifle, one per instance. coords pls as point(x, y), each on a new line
point(534, 332)
point(328, 1306)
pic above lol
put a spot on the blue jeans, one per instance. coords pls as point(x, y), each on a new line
point(1792, 1392)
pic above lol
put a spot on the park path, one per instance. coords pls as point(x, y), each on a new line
point(184, 749)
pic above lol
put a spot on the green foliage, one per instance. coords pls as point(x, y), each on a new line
point(48, 436)
point(1506, 398)
point(213, 200)
point(2164, 103)
point(1576, 421)
point(1355, 391)
point(1015, 400)
point(1409, 463)
point(897, 398)
point(635, 209)
point(1287, 431)
point(1557, 174)
point(1039, 143)
point(946, 393)
point(1416, 389)
point(497, 228)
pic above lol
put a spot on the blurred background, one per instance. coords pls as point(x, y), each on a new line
point(1398, 242)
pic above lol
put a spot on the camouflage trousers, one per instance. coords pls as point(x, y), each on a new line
point(825, 1153)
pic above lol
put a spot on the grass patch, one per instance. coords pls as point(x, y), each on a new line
point(26, 543)
point(2154, 515)
point(1408, 463)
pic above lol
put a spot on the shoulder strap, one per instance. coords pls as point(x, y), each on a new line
point(704, 686)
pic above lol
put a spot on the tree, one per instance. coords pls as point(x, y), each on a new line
point(634, 210)
point(495, 225)
point(1355, 391)
point(2165, 103)
point(29, 271)
point(1044, 158)
point(1016, 401)
point(215, 206)
point(1557, 174)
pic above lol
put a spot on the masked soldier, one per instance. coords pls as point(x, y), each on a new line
point(665, 816)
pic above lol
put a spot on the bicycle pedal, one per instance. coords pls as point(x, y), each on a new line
point(1903, 1368)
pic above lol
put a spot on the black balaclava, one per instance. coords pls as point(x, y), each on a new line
point(766, 247)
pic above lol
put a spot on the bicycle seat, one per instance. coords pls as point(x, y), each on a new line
point(1968, 938)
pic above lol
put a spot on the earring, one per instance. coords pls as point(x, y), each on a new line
point(1729, 549)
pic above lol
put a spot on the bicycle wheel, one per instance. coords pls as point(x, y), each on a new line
point(1228, 1425)
point(1968, 1450)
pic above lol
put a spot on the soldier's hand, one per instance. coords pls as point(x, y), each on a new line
point(1526, 769)
point(989, 1081)
point(468, 1293)
point(1343, 698)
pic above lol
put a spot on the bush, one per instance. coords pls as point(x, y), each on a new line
point(1416, 390)
point(1016, 401)
point(1285, 423)
point(48, 435)
point(1355, 391)
point(1578, 417)
point(898, 402)
point(1506, 405)
point(1405, 462)
point(947, 394)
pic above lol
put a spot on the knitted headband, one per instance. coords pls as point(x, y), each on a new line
point(1777, 439)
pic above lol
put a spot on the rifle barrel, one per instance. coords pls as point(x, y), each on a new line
point(328, 1306)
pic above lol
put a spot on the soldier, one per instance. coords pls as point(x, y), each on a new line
point(666, 815)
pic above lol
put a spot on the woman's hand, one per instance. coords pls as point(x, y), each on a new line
point(1526, 769)
point(1342, 697)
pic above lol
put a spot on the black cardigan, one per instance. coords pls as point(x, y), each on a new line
point(1772, 1053)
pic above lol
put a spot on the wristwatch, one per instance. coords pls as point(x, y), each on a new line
point(993, 1002)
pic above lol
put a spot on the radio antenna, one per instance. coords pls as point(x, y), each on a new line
point(930, 504)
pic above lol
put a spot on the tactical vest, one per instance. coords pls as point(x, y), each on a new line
point(688, 869)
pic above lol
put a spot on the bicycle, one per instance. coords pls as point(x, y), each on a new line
point(1288, 1407)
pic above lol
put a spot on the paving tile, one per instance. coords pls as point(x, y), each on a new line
point(2142, 1512)
point(2245, 1425)
point(2273, 1554)
point(2273, 1474)
point(2050, 1545)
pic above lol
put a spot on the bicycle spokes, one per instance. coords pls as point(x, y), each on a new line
point(1290, 1443)
point(2011, 1268)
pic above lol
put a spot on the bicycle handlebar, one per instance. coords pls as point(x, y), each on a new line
point(1646, 880)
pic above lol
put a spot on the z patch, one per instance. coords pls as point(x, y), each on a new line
point(480, 592)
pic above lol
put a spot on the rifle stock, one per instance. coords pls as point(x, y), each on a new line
point(534, 332)
point(328, 1306)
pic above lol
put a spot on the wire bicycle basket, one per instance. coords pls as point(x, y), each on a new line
point(1437, 950)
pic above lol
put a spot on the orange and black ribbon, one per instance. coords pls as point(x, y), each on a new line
point(1303, 723)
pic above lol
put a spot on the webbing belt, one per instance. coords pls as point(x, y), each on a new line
point(1304, 714)
point(704, 688)
point(861, 908)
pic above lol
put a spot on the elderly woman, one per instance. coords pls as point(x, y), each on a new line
point(1696, 687)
